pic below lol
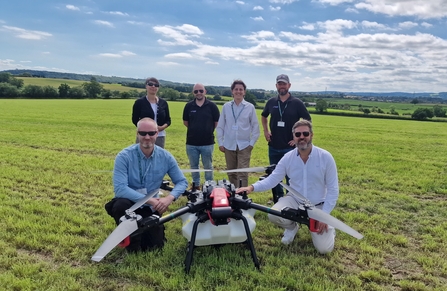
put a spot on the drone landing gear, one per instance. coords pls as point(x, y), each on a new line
point(203, 218)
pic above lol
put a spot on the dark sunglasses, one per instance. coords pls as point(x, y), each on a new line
point(197, 91)
point(144, 133)
point(305, 133)
point(153, 84)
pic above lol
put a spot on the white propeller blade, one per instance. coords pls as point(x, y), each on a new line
point(195, 170)
point(143, 200)
point(255, 169)
point(320, 215)
point(123, 230)
point(294, 192)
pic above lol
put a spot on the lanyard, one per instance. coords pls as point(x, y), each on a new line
point(141, 171)
point(234, 116)
point(279, 108)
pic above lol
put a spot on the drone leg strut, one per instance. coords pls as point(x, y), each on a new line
point(249, 238)
point(192, 242)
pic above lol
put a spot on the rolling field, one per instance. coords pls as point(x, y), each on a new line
point(54, 158)
point(72, 83)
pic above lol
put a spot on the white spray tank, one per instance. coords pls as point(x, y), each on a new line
point(211, 234)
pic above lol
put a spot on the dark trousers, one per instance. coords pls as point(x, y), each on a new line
point(152, 238)
point(275, 155)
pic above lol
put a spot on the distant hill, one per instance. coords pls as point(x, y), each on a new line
point(122, 80)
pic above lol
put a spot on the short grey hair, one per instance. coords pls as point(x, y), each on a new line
point(302, 122)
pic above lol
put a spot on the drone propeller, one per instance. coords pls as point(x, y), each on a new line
point(243, 170)
point(296, 193)
point(195, 170)
point(123, 230)
point(143, 200)
point(320, 215)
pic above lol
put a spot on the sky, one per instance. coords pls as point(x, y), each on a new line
point(333, 45)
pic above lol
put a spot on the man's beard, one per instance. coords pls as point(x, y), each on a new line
point(302, 146)
point(283, 92)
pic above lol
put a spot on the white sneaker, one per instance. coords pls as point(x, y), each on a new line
point(289, 235)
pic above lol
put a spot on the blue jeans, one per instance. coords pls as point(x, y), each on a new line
point(194, 153)
point(274, 156)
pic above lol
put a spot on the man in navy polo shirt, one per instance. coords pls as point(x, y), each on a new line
point(200, 116)
point(284, 110)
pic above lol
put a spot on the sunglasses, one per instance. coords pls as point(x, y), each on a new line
point(305, 133)
point(197, 91)
point(153, 84)
point(144, 133)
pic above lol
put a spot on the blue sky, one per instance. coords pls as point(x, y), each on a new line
point(341, 45)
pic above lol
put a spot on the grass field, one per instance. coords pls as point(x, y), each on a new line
point(393, 187)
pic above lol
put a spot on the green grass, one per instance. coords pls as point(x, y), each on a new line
point(393, 189)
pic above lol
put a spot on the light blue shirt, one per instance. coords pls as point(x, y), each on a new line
point(133, 171)
point(238, 126)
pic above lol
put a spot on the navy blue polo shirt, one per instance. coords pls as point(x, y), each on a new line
point(201, 120)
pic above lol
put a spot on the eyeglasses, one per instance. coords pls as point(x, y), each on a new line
point(153, 84)
point(305, 133)
point(144, 133)
point(197, 91)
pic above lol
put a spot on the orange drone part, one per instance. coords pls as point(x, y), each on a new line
point(220, 197)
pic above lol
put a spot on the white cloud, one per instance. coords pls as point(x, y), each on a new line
point(117, 55)
point(103, 23)
point(277, 8)
point(283, 1)
point(27, 34)
point(426, 24)
point(119, 13)
point(127, 53)
point(307, 26)
point(407, 25)
point(337, 24)
point(136, 22)
point(258, 8)
point(373, 25)
point(260, 36)
point(424, 9)
point(259, 18)
point(180, 35)
point(333, 2)
point(179, 56)
point(72, 7)
point(351, 10)
point(110, 55)
point(211, 63)
point(240, 2)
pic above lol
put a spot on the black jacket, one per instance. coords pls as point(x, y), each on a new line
point(142, 108)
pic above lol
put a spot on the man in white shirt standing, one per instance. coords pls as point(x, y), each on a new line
point(313, 174)
point(237, 132)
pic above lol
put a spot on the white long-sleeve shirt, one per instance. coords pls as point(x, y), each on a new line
point(238, 126)
point(317, 179)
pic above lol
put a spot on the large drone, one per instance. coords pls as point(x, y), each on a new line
point(216, 215)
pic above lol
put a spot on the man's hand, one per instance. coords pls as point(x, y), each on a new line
point(292, 143)
point(267, 136)
point(248, 189)
point(161, 204)
point(321, 227)
point(222, 149)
